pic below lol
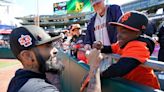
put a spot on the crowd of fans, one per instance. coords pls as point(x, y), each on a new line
point(74, 37)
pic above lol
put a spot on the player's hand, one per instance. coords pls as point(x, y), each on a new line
point(98, 45)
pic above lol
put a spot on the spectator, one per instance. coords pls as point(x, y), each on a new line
point(151, 28)
point(76, 31)
point(32, 46)
point(97, 29)
point(67, 40)
point(134, 49)
point(77, 42)
point(161, 42)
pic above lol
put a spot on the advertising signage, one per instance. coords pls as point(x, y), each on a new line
point(75, 6)
point(72, 6)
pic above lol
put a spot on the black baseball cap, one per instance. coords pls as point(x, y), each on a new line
point(132, 20)
point(26, 37)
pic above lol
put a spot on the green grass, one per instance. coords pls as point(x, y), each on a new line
point(6, 64)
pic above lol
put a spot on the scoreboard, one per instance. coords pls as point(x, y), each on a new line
point(60, 8)
point(72, 6)
point(75, 6)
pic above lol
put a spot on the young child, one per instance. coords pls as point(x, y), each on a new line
point(134, 49)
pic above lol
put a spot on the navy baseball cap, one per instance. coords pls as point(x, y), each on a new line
point(94, 1)
point(132, 20)
point(26, 37)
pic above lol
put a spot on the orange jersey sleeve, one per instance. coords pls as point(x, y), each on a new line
point(116, 48)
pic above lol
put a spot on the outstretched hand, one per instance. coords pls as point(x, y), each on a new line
point(94, 57)
point(94, 74)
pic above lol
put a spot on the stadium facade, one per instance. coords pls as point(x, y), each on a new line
point(150, 7)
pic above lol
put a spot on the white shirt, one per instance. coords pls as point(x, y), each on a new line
point(101, 34)
point(100, 31)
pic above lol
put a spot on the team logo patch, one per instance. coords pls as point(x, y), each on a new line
point(125, 17)
point(25, 40)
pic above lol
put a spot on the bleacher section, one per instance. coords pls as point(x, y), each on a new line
point(61, 21)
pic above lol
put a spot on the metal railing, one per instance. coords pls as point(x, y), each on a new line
point(156, 65)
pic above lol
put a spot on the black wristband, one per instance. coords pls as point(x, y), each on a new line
point(106, 49)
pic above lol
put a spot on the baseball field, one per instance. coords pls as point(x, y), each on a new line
point(7, 71)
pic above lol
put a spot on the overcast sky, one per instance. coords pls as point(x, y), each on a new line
point(29, 7)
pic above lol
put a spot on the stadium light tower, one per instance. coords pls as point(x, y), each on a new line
point(37, 20)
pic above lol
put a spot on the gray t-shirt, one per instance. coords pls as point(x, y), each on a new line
point(38, 85)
